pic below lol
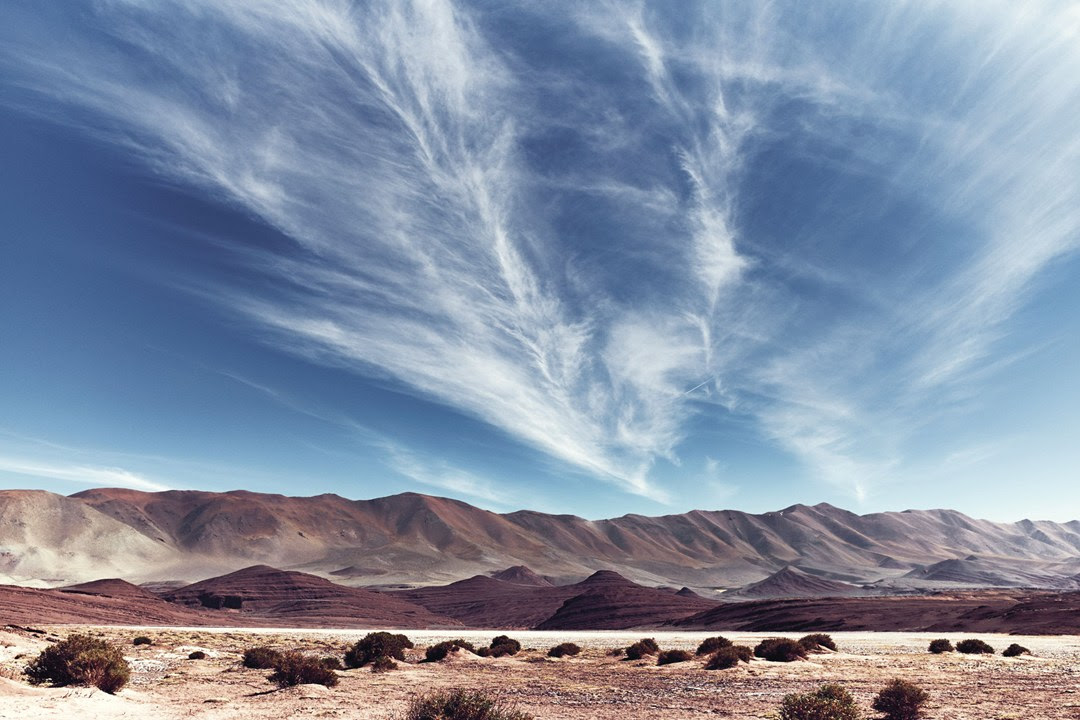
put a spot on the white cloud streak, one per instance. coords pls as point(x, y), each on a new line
point(385, 139)
point(85, 474)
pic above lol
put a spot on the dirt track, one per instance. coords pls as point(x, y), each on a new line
point(166, 685)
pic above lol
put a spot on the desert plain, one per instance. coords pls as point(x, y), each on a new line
point(166, 684)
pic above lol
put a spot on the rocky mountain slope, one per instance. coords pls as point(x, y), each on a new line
point(411, 539)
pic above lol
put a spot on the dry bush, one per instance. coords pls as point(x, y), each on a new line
point(461, 705)
point(196, 655)
point(669, 657)
point(564, 649)
point(780, 650)
point(974, 646)
point(1015, 650)
point(829, 702)
point(728, 657)
point(941, 645)
point(900, 700)
point(375, 645)
point(261, 657)
point(816, 641)
point(298, 669)
point(332, 663)
point(439, 652)
point(81, 660)
point(500, 646)
point(383, 664)
point(711, 645)
point(643, 647)
point(142, 640)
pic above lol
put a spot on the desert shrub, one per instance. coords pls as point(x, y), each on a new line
point(780, 650)
point(941, 645)
point(500, 646)
point(974, 646)
point(616, 652)
point(196, 655)
point(261, 657)
point(564, 649)
point(81, 660)
point(383, 664)
point(377, 644)
point(461, 705)
point(142, 640)
point(332, 663)
point(673, 656)
point(295, 668)
point(728, 657)
point(1015, 650)
point(816, 641)
point(711, 645)
point(829, 702)
point(643, 647)
point(900, 700)
point(441, 650)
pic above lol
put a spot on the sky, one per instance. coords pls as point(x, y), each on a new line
point(590, 258)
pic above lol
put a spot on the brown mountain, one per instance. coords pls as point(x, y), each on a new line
point(412, 539)
point(793, 583)
point(521, 575)
point(265, 594)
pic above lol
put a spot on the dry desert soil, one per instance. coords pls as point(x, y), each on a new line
point(166, 685)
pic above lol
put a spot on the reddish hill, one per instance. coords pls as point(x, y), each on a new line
point(28, 606)
point(521, 575)
point(609, 601)
point(112, 587)
point(283, 598)
point(792, 583)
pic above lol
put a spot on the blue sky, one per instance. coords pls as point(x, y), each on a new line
point(594, 258)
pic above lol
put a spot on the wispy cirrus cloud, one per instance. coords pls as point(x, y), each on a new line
point(85, 474)
point(565, 251)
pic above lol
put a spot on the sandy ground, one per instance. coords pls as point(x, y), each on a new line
point(166, 685)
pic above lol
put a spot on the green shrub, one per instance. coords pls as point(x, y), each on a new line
point(441, 650)
point(375, 645)
point(900, 700)
point(461, 705)
point(974, 646)
point(564, 649)
point(81, 660)
point(383, 664)
point(941, 645)
point(728, 657)
point(829, 702)
point(196, 655)
point(261, 657)
point(1015, 650)
point(332, 663)
point(711, 645)
point(669, 657)
point(816, 641)
point(780, 650)
point(643, 647)
point(295, 668)
point(142, 640)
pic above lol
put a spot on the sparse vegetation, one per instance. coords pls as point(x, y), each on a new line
point(439, 652)
point(711, 645)
point(728, 657)
point(616, 652)
point(383, 664)
point(780, 650)
point(669, 657)
point(81, 660)
point(332, 663)
point(261, 657)
point(196, 655)
point(816, 641)
point(295, 668)
point(142, 640)
point(901, 700)
point(375, 645)
point(500, 646)
point(643, 647)
point(829, 702)
point(941, 645)
point(565, 649)
point(1015, 650)
point(974, 646)
point(461, 705)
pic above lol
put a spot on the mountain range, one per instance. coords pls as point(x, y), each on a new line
point(411, 540)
